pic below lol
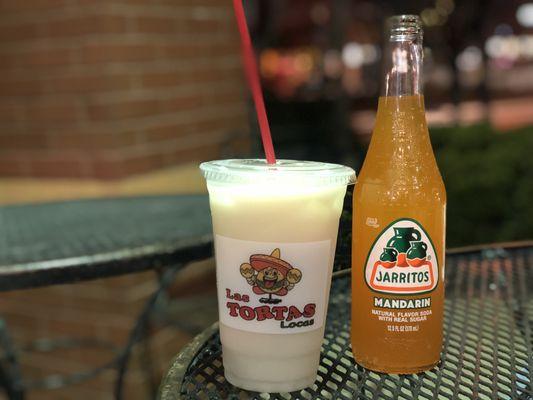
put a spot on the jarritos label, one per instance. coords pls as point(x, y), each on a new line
point(272, 287)
point(402, 260)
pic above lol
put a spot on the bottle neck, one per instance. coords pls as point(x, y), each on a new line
point(403, 66)
point(400, 151)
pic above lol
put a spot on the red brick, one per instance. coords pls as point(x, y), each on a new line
point(123, 109)
point(89, 140)
point(142, 163)
point(11, 111)
point(92, 102)
point(197, 49)
point(114, 334)
point(86, 325)
point(54, 301)
point(173, 131)
point(198, 75)
point(22, 141)
point(58, 165)
point(168, 132)
point(208, 25)
point(102, 52)
point(223, 49)
point(69, 393)
point(236, 95)
point(181, 50)
point(114, 169)
point(207, 152)
point(181, 103)
point(136, 389)
point(217, 75)
point(142, 108)
point(87, 24)
point(89, 83)
point(48, 112)
point(161, 79)
point(218, 124)
point(18, 87)
point(15, 32)
point(241, 145)
point(150, 24)
point(46, 363)
point(143, 2)
point(35, 58)
point(33, 5)
point(81, 358)
point(125, 282)
point(33, 323)
point(182, 3)
point(12, 165)
point(107, 169)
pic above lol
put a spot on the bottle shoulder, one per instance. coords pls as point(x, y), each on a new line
point(400, 163)
point(422, 188)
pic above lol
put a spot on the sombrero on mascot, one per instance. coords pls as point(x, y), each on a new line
point(269, 274)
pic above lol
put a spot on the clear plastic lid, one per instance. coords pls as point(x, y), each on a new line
point(255, 171)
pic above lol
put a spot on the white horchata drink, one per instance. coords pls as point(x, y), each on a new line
point(275, 230)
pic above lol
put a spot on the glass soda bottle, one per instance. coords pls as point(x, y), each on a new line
point(399, 223)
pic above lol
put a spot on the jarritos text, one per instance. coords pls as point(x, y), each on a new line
point(402, 260)
point(272, 278)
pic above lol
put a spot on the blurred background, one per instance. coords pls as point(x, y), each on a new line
point(125, 98)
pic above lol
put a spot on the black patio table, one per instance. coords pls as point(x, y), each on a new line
point(72, 241)
point(65, 242)
point(487, 352)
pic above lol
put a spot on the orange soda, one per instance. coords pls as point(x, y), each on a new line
point(399, 224)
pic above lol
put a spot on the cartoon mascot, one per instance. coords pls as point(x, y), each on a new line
point(269, 274)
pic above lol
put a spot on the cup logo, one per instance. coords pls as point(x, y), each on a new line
point(272, 287)
point(270, 275)
point(402, 260)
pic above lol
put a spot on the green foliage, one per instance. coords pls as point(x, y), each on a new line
point(489, 183)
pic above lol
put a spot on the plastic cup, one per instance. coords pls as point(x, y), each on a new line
point(275, 231)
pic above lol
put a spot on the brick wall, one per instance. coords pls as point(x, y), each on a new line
point(110, 88)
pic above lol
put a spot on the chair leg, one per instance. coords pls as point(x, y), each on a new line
point(148, 366)
point(10, 375)
point(10, 390)
point(140, 329)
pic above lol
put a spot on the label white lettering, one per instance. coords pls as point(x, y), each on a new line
point(381, 302)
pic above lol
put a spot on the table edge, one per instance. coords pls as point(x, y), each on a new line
point(182, 360)
point(118, 262)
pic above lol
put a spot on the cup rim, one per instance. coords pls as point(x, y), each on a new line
point(258, 171)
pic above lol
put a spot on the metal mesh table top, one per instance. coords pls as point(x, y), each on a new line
point(67, 241)
point(487, 352)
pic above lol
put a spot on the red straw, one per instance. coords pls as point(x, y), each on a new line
point(252, 75)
